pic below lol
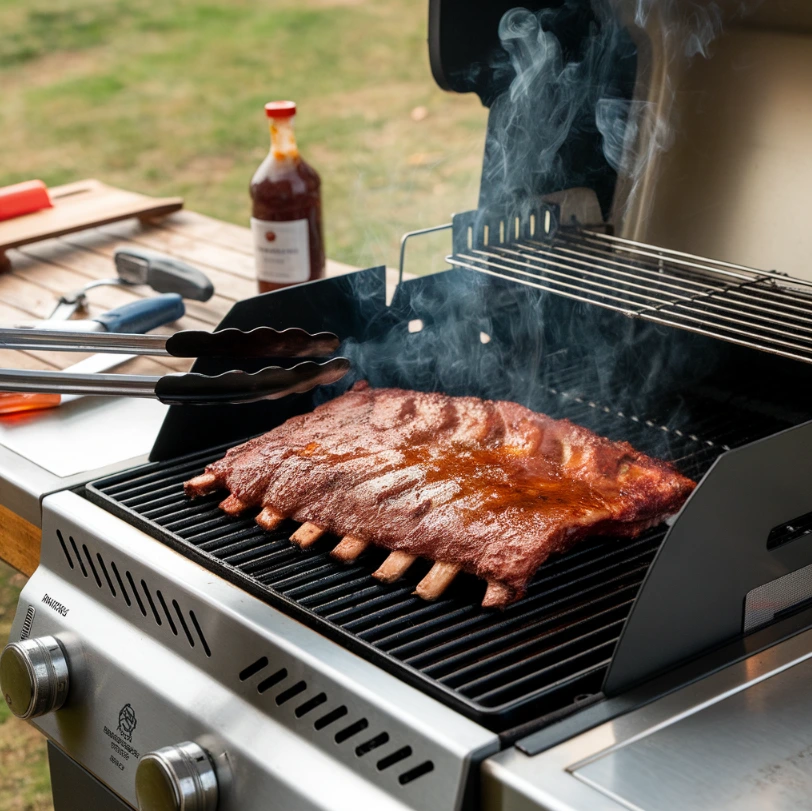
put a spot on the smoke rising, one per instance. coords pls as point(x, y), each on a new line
point(571, 109)
point(623, 378)
point(568, 116)
point(693, 24)
point(542, 133)
point(629, 129)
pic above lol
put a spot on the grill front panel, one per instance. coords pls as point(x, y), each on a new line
point(546, 654)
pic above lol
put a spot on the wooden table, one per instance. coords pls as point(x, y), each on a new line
point(43, 271)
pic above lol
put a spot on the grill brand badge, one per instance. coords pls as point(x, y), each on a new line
point(127, 722)
point(121, 740)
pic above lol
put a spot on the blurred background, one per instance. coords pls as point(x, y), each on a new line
point(166, 98)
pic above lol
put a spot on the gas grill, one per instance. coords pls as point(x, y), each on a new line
point(231, 669)
point(498, 668)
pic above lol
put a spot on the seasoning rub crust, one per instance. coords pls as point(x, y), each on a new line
point(481, 486)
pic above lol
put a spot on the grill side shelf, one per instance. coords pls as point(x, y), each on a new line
point(720, 551)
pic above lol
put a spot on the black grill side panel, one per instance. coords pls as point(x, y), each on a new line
point(348, 305)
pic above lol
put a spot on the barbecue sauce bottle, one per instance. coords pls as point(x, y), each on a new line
point(286, 211)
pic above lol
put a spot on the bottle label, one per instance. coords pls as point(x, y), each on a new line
point(282, 250)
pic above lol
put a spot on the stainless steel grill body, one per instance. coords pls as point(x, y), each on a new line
point(738, 739)
point(547, 653)
point(275, 702)
point(291, 719)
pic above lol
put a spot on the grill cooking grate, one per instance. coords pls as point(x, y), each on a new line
point(754, 308)
point(543, 654)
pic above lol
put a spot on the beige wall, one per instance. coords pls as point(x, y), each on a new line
point(737, 185)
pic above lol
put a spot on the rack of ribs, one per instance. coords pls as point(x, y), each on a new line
point(481, 486)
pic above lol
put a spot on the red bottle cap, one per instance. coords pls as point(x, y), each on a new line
point(280, 109)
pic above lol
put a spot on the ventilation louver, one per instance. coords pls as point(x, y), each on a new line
point(334, 720)
point(135, 593)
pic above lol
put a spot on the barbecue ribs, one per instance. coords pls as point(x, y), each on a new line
point(490, 488)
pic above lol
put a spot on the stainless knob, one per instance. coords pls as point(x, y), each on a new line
point(176, 778)
point(34, 676)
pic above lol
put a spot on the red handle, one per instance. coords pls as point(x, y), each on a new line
point(12, 402)
point(23, 198)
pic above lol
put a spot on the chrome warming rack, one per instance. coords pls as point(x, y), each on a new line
point(759, 309)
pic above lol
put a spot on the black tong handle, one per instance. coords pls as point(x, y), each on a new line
point(262, 342)
point(270, 383)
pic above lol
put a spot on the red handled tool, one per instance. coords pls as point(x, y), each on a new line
point(23, 198)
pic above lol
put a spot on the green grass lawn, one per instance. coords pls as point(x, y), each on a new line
point(166, 98)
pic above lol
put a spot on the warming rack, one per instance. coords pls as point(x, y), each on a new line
point(759, 309)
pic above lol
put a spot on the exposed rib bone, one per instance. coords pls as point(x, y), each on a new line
point(200, 485)
point(269, 518)
point(437, 580)
point(307, 535)
point(497, 595)
point(232, 505)
point(394, 567)
point(349, 549)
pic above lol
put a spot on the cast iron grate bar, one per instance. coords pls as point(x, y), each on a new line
point(540, 655)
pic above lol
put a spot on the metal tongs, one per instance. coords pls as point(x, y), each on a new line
point(189, 388)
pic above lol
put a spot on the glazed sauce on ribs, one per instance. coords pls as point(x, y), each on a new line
point(488, 487)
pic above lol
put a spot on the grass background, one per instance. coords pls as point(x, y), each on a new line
point(166, 98)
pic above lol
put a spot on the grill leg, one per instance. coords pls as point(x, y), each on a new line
point(74, 789)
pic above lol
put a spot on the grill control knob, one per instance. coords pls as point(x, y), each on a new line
point(176, 778)
point(34, 676)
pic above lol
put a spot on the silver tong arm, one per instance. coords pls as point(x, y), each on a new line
point(262, 342)
point(49, 382)
point(190, 388)
point(53, 340)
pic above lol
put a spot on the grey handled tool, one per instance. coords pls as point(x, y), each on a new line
point(136, 266)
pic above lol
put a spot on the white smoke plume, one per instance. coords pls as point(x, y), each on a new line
point(562, 105)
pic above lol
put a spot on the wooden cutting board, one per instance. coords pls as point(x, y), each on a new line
point(80, 205)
